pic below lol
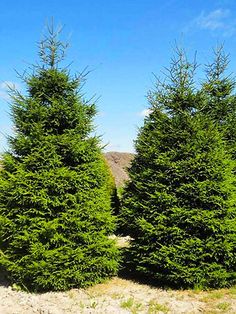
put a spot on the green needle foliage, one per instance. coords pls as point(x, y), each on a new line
point(179, 206)
point(55, 186)
point(220, 102)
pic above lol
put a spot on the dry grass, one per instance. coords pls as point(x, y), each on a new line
point(131, 297)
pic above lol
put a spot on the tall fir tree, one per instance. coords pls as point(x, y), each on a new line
point(219, 90)
point(179, 206)
point(55, 186)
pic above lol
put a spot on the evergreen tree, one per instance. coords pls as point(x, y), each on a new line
point(179, 206)
point(55, 186)
point(220, 98)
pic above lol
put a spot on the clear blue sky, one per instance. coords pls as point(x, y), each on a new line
point(122, 41)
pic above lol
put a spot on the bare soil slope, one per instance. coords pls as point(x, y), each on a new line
point(119, 162)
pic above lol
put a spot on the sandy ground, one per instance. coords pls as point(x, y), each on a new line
point(118, 296)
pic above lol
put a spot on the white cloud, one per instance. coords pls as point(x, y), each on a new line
point(215, 21)
point(145, 113)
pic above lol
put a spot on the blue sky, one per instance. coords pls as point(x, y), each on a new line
point(121, 41)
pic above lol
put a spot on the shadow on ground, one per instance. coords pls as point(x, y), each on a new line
point(128, 272)
point(4, 282)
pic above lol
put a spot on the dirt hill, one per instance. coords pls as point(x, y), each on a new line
point(118, 163)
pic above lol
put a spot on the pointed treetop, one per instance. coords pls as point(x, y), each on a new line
point(181, 71)
point(217, 68)
point(51, 49)
point(219, 83)
point(172, 95)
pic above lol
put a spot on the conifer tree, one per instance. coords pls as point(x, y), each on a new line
point(55, 187)
point(220, 104)
point(179, 206)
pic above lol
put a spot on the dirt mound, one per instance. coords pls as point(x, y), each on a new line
point(119, 162)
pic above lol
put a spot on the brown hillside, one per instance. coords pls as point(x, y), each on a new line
point(118, 163)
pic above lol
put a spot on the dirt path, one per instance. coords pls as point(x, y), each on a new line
point(118, 296)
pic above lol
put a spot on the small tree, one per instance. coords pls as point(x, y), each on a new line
point(55, 188)
point(179, 205)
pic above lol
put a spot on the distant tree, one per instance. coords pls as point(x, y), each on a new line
point(219, 89)
point(55, 186)
point(179, 206)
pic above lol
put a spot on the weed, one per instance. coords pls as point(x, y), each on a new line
point(232, 291)
point(130, 304)
point(224, 306)
point(16, 287)
point(93, 304)
point(215, 295)
point(155, 308)
point(127, 304)
point(116, 295)
point(81, 305)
